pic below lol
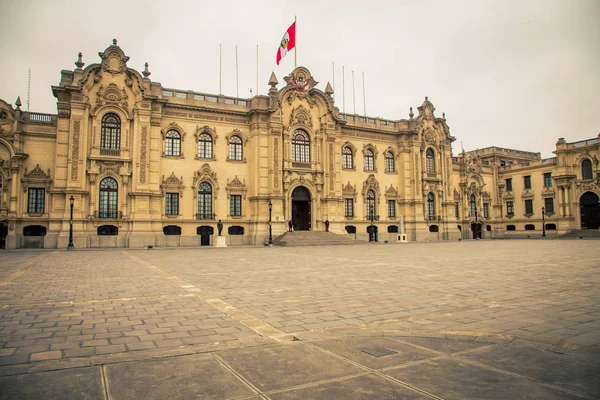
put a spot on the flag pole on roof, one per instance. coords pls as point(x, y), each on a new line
point(295, 47)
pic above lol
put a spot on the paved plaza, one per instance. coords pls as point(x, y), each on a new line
point(454, 320)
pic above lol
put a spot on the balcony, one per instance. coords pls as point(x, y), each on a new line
point(108, 214)
point(209, 216)
point(375, 217)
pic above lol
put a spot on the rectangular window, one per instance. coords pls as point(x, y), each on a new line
point(509, 185)
point(549, 205)
point(548, 179)
point(510, 208)
point(486, 210)
point(35, 202)
point(172, 204)
point(528, 206)
point(349, 207)
point(456, 210)
point(235, 205)
point(391, 208)
point(527, 182)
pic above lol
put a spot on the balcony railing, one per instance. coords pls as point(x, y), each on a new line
point(110, 152)
point(375, 217)
point(108, 214)
point(205, 216)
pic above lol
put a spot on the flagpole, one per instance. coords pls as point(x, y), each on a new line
point(296, 45)
point(257, 70)
point(343, 89)
point(237, 81)
point(220, 68)
point(364, 96)
point(353, 94)
point(333, 71)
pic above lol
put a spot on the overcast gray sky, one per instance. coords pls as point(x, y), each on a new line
point(516, 74)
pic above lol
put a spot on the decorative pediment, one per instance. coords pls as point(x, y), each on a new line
point(205, 174)
point(371, 183)
point(486, 196)
point(172, 184)
point(202, 129)
point(36, 177)
point(236, 187)
point(349, 190)
point(301, 78)
point(37, 173)
point(429, 136)
point(391, 192)
point(456, 195)
point(114, 59)
point(175, 126)
point(301, 117)
point(426, 110)
point(111, 95)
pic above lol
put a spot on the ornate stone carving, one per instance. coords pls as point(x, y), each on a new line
point(114, 59)
point(371, 183)
point(300, 117)
point(143, 154)
point(236, 187)
point(172, 184)
point(276, 163)
point(205, 174)
point(36, 177)
point(111, 95)
point(349, 191)
point(75, 149)
point(331, 168)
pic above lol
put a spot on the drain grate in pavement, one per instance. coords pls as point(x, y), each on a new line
point(378, 351)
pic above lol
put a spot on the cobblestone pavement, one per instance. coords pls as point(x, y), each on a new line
point(92, 313)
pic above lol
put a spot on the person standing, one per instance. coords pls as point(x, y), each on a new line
point(290, 225)
point(326, 225)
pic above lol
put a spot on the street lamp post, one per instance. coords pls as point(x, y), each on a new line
point(70, 245)
point(270, 222)
point(543, 222)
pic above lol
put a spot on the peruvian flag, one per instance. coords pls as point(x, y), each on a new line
point(287, 42)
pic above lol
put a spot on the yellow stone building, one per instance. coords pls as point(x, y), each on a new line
point(144, 165)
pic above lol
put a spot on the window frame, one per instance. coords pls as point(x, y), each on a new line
point(486, 210)
point(172, 143)
point(348, 208)
point(390, 162)
point(236, 148)
point(205, 149)
point(369, 160)
point(347, 158)
point(529, 210)
point(430, 161)
point(371, 204)
point(108, 204)
point(587, 172)
point(301, 147)
point(36, 203)
point(527, 182)
point(508, 182)
point(204, 205)
point(548, 201)
point(235, 205)
point(172, 204)
point(110, 132)
point(510, 208)
point(431, 206)
point(391, 208)
point(547, 179)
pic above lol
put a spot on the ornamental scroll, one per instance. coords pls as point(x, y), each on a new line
point(275, 163)
point(143, 154)
point(75, 150)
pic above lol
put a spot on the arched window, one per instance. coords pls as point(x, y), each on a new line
point(472, 205)
point(371, 211)
point(430, 206)
point(347, 159)
point(389, 162)
point(300, 147)
point(205, 146)
point(430, 161)
point(235, 148)
point(109, 194)
point(110, 133)
point(586, 169)
point(369, 160)
point(173, 143)
point(205, 201)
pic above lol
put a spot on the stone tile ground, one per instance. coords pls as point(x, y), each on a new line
point(62, 309)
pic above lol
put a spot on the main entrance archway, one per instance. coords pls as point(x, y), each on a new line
point(3, 235)
point(589, 208)
point(301, 209)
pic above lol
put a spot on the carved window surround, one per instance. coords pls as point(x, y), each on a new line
point(163, 133)
point(36, 178)
point(237, 132)
point(213, 134)
point(236, 188)
point(172, 184)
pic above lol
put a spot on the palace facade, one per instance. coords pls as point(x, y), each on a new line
point(137, 164)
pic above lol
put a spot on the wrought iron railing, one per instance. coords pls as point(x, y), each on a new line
point(205, 216)
point(108, 214)
point(110, 152)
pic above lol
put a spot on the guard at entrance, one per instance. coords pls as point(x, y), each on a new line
point(326, 225)
point(290, 225)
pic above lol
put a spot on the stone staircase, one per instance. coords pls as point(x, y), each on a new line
point(581, 233)
point(313, 238)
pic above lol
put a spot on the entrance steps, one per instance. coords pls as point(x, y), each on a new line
point(582, 233)
point(314, 238)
